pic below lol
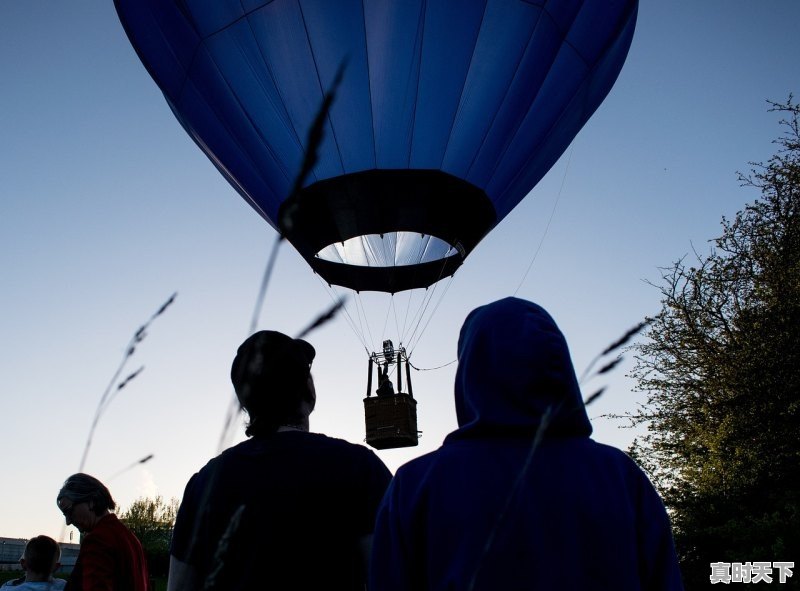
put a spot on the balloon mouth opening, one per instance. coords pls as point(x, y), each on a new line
point(387, 230)
point(391, 249)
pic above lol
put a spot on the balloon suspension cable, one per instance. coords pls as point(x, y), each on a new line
point(431, 368)
point(386, 318)
point(549, 221)
point(396, 323)
point(433, 313)
point(363, 321)
point(405, 318)
point(419, 314)
point(412, 346)
point(348, 317)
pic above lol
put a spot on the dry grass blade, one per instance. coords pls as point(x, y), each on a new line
point(501, 516)
point(105, 399)
point(623, 340)
point(130, 377)
point(225, 551)
point(323, 318)
point(316, 133)
point(144, 460)
point(315, 137)
point(594, 396)
point(314, 141)
point(610, 365)
point(165, 305)
point(233, 408)
point(620, 342)
point(262, 291)
point(119, 387)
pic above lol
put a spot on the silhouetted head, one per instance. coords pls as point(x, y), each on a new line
point(271, 374)
point(84, 500)
point(40, 558)
point(513, 368)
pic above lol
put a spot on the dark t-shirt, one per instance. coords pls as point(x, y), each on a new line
point(307, 500)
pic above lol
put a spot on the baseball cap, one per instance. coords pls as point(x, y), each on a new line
point(270, 361)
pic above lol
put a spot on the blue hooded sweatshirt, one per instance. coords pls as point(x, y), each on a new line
point(519, 496)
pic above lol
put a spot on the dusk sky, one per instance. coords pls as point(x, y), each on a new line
point(107, 208)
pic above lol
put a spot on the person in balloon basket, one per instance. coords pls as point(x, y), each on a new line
point(110, 557)
point(519, 496)
point(39, 561)
point(287, 508)
point(385, 386)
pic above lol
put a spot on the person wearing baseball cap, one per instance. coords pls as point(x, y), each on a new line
point(271, 375)
point(287, 508)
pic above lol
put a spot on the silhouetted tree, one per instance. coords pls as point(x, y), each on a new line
point(151, 520)
point(721, 369)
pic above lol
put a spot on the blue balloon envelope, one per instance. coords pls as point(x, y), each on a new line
point(447, 114)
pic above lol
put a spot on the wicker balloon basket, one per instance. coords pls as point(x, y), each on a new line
point(391, 421)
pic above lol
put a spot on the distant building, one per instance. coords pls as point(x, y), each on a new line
point(11, 550)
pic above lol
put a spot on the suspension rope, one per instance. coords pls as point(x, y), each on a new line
point(364, 320)
point(420, 314)
point(405, 320)
point(549, 221)
point(431, 368)
point(432, 314)
point(350, 321)
point(386, 319)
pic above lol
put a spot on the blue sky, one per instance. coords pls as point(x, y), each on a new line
point(107, 207)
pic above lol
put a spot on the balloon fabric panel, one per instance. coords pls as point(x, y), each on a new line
point(448, 113)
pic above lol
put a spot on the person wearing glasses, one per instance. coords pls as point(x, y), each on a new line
point(111, 557)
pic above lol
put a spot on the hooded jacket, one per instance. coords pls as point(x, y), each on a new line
point(519, 496)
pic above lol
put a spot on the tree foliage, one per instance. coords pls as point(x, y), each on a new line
point(151, 520)
point(721, 369)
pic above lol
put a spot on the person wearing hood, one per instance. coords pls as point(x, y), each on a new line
point(519, 496)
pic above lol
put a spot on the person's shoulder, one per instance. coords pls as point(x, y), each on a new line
point(614, 456)
point(108, 530)
point(228, 455)
point(340, 445)
point(414, 469)
point(610, 452)
point(346, 452)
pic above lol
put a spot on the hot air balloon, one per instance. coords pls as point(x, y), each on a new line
point(447, 114)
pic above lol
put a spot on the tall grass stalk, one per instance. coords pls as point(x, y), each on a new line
point(114, 387)
point(314, 141)
point(144, 460)
point(609, 365)
point(512, 494)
